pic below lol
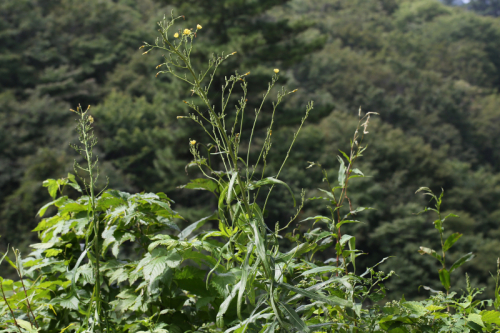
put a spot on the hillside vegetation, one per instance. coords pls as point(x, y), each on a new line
point(431, 71)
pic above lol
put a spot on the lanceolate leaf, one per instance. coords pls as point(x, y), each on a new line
point(202, 184)
point(342, 170)
point(230, 188)
point(192, 227)
point(444, 276)
point(244, 275)
point(462, 261)
point(272, 181)
point(331, 300)
point(323, 269)
point(225, 305)
point(451, 240)
point(293, 318)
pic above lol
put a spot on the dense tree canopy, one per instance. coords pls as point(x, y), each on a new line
point(430, 70)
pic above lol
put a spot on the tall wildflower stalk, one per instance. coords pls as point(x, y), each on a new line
point(93, 247)
point(238, 207)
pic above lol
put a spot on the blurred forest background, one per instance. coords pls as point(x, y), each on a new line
point(431, 69)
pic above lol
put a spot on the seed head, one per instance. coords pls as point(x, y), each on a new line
point(91, 119)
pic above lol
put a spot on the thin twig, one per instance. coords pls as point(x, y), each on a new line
point(12, 313)
point(28, 302)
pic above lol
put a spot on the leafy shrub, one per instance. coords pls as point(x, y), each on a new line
point(112, 261)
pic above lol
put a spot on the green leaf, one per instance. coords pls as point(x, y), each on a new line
point(342, 171)
point(70, 302)
point(202, 184)
point(52, 187)
point(358, 172)
point(225, 305)
point(352, 247)
point(451, 240)
point(27, 326)
point(40, 246)
point(346, 222)
point(345, 238)
point(58, 202)
point(73, 183)
point(196, 225)
point(331, 300)
point(317, 218)
point(244, 276)
point(293, 318)
point(416, 308)
point(324, 269)
point(476, 318)
point(462, 261)
point(345, 155)
point(444, 276)
point(260, 247)
point(231, 188)
point(273, 181)
point(491, 317)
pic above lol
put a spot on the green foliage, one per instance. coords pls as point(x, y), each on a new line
point(112, 261)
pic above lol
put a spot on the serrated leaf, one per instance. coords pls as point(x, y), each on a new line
point(415, 308)
point(73, 183)
point(52, 187)
point(476, 318)
point(70, 302)
point(491, 317)
point(56, 202)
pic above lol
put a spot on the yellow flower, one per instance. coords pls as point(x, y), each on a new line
point(276, 70)
point(176, 35)
point(186, 32)
point(199, 27)
point(91, 119)
point(192, 142)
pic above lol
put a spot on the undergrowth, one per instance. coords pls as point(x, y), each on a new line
point(225, 272)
